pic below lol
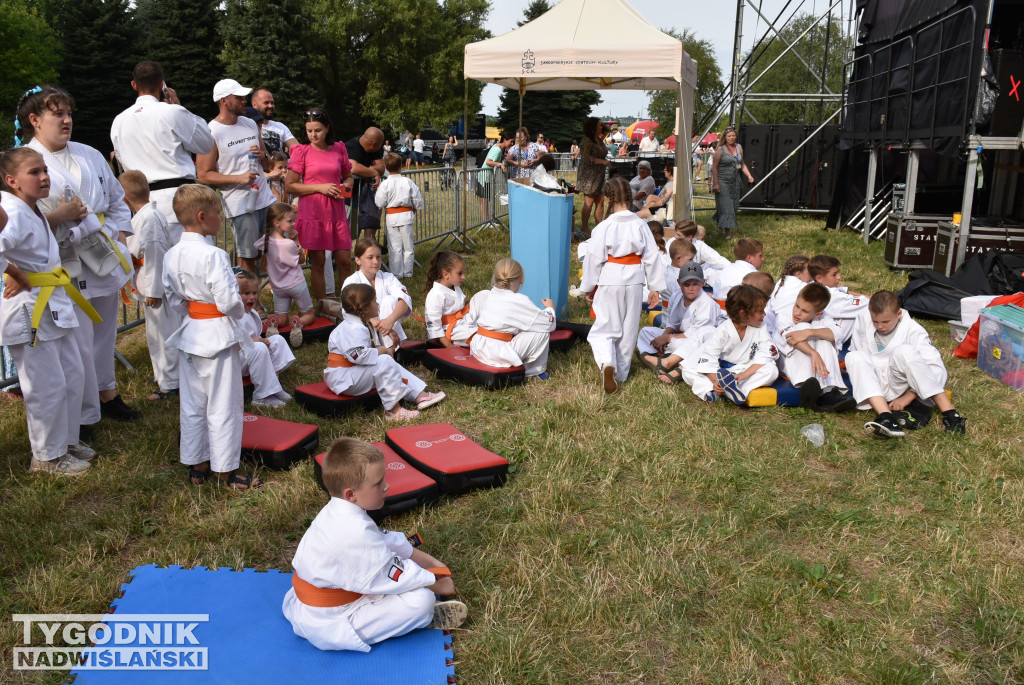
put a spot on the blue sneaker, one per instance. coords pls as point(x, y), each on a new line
point(730, 388)
point(542, 376)
point(711, 397)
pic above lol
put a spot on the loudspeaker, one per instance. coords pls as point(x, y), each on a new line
point(785, 185)
point(818, 167)
point(756, 142)
point(1009, 111)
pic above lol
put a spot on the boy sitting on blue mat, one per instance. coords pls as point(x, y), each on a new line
point(355, 584)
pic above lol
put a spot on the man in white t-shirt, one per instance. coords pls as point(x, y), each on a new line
point(649, 143)
point(417, 151)
point(276, 136)
point(157, 136)
point(244, 190)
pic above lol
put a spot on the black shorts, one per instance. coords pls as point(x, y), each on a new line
point(483, 189)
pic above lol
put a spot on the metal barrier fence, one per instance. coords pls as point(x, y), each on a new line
point(454, 201)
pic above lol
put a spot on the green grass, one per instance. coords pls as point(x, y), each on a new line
point(642, 538)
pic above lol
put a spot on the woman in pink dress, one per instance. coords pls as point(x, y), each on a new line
point(314, 174)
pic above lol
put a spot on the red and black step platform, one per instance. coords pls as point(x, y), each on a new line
point(322, 401)
point(444, 453)
point(407, 487)
point(277, 444)
point(318, 329)
point(458, 364)
point(410, 352)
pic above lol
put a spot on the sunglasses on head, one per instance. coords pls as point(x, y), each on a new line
point(314, 114)
point(730, 128)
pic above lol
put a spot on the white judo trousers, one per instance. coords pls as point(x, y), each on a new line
point(905, 367)
point(51, 378)
point(211, 405)
point(84, 333)
point(701, 384)
point(392, 381)
point(616, 326)
point(798, 368)
point(262, 364)
point(104, 339)
point(160, 323)
point(373, 618)
point(682, 347)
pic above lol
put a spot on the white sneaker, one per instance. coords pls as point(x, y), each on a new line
point(82, 451)
point(295, 337)
point(430, 400)
point(283, 396)
point(576, 292)
point(272, 402)
point(449, 615)
point(65, 465)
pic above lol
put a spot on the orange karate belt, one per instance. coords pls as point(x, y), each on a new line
point(128, 287)
point(449, 320)
point(495, 335)
point(314, 596)
point(628, 259)
point(204, 310)
point(335, 360)
point(398, 210)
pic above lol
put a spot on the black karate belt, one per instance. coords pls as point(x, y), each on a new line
point(170, 183)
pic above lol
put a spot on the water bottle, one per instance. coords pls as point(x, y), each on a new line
point(254, 191)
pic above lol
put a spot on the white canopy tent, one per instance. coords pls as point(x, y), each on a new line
point(594, 45)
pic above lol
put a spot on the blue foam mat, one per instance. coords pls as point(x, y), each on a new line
point(249, 641)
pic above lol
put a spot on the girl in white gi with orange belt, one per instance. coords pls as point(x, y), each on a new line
point(358, 361)
point(87, 210)
point(392, 297)
point(444, 305)
point(510, 329)
point(621, 258)
point(262, 358)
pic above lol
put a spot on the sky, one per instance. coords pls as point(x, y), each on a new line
point(718, 26)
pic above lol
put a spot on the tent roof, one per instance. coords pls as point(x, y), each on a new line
point(583, 45)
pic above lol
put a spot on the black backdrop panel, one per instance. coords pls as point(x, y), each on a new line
point(756, 142)
point(785, 185)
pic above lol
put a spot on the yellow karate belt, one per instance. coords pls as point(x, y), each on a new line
point(47, 281)
point(124, 262)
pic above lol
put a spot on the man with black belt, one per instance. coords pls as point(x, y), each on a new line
point(367, 157)
point(156, 135)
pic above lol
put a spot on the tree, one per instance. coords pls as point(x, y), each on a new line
point(791, 76)
point(29, 56)
point(393, 63)
point(185, 40)
point(98, 42)
point(558, 114)
point(709, 86)
point(264, 48)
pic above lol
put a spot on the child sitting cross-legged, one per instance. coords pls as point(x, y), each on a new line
point(356, 584)
point(895, 370)
point(262, 358)
point(806, 339)
point(358, 361)
point(691, 316)
point(743, 342)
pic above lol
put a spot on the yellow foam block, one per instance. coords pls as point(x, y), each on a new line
point(762, 397)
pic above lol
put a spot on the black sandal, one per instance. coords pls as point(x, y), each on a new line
point(197, 476)
point(237, 482)
point(163, 394)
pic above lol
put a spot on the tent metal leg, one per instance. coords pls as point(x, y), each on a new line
point(869, 192)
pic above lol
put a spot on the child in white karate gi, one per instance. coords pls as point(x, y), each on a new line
point(743, 342)
point(153, 237)
point(358, 361)
point(444, 306)
point(792, 280)
point(621, 259)
point(284, 270)
point(895, 370)
point(691, 316)
point(510, 330)
point(680, 252)
point(749, 254)
point(844, 306)
point(355, 584)
point(392, 297)
point(198, 282)
point(400, 199)
point(38, 331)
point(262, 358)
point(806, 339)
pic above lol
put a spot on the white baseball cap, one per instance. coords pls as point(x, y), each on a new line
point(229, 86)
